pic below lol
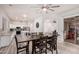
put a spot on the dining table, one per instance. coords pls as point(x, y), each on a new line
point(30, 39)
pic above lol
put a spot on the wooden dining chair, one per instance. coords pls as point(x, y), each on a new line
point(39, 46)
point(25, 46)
point(52, 43)
point(55, 43)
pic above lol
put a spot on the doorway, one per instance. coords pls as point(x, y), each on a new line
point(71, 29)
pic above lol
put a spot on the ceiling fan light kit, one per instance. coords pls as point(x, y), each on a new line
point(44, 9)
point(49, 7)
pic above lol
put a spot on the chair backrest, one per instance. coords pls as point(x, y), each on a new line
point(16, 41)
point(54, 39)
point(34, 34)
point(40, 34)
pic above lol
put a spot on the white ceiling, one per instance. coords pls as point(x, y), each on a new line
point(18, 10)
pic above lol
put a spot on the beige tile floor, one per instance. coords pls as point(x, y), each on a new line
point(63, 48)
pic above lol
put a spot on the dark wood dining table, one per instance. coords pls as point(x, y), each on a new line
point(30, 39)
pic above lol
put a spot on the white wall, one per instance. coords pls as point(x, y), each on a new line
point(60, 28)
point(40, 21)
point(49, 25)
point(4, 17)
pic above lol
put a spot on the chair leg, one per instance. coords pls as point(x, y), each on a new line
point(32, 51)
point(35, 51)
point(27, 48)
point(46, 47)
point(17, 51)
point(27, 51)
point(33, 47)
point(52, 50)
point(56, 51)
point(46, 50)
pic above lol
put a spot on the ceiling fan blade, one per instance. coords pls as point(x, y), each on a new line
point(50, 9)
point(10, 5)
point(55, 6)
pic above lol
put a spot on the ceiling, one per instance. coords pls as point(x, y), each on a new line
point(29, 11)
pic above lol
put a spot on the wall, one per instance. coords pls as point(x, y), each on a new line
point(70, 13)
point(60, 28)
point(49, 26)
point(4, 17)
point(40, 21)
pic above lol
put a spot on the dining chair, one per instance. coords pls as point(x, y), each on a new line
point(52, 43)
point(39, 46)
point(55, 43)
point(22, 46)
point(55, 35)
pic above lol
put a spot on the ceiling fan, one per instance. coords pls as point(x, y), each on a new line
point(49, 7)
point(46, 7)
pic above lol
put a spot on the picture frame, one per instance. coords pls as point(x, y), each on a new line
point(37, 25)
